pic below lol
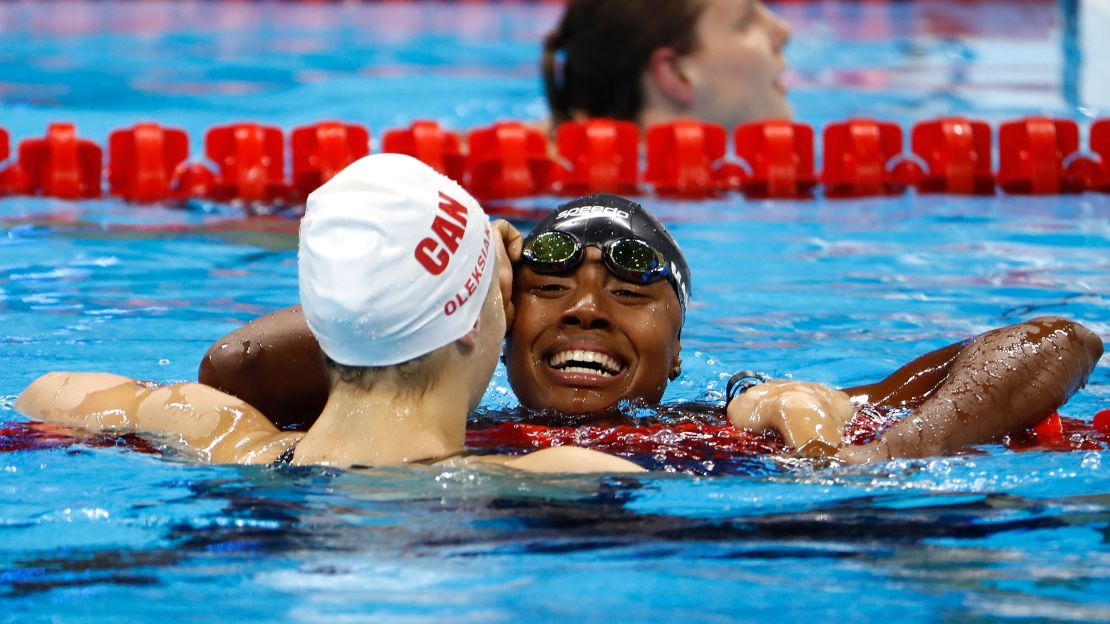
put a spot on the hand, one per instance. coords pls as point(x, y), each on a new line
point(508, 251)
point(513, 239)
point(801, 411)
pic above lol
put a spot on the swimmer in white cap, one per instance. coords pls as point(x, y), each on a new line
point(396, 264)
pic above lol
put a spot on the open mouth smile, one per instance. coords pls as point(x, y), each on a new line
point(585, 362)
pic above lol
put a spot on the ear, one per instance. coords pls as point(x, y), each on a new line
point(676, 363)
point(470, 338)
point(670, 77)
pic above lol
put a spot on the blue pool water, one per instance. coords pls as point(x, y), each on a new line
point(834, 291)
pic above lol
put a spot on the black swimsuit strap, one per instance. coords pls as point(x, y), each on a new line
point(742, 381)
point(286, 457)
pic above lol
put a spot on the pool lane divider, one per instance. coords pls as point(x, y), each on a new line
point(687, 159)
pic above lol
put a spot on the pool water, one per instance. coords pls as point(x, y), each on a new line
point(837, 291)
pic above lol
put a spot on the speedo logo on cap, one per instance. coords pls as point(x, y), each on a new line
point(589, 212)
point(434, 252)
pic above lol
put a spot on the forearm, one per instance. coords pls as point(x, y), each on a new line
point(218, 426)
point(1002, 381)
point(275, 364)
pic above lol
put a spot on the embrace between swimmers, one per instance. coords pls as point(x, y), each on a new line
point(396, 264)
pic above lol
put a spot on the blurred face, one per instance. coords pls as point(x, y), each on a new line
point(737, 68)
point(585, 339)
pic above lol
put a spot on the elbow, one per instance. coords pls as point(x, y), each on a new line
point(37, 397)
point(1067, 347)
point(1082, 340)
point(1085, 341)
point(1090, 341)
point(225, 361)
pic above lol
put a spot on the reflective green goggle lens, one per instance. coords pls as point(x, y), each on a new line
point(553, 248)
point(628, 258)
point(634, 256)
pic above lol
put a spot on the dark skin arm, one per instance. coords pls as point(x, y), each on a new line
point(911, 384)
point(1004, 380)
point(273, 363)
point(971, 392)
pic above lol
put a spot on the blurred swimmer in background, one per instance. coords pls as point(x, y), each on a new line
point(655, 61)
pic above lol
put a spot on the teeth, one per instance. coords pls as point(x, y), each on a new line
point(608, 366)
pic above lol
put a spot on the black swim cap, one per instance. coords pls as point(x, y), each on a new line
point(602, 218)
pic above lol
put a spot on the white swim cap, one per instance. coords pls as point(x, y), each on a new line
point(395, 261)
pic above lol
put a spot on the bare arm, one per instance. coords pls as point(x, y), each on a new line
point(562, 459)
point(222, 428)
point(1002, 381)
point(275, 364)
point(911, 384)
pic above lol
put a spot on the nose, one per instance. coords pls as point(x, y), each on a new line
point(780, 29)
point(586, 311)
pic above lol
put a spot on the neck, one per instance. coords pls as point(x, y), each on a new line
point(384, 427)
point(656, 108)
point(655, 115)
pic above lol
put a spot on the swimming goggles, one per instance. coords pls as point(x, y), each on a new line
point(630, 259)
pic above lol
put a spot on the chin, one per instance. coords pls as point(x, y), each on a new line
point(783, 109)
point(576, 406)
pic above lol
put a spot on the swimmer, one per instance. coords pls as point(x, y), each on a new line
point(395, 266)
point(655, 61)
point(597, 306)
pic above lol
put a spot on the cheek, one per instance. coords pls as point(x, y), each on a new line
point(654, 340)
point(529, 324)
point(750, 59)
point(729, 76)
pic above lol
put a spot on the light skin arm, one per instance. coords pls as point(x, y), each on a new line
point(220, 427)
point(564, 459)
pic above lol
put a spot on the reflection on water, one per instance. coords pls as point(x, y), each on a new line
point(841, 292)
point(458, 542)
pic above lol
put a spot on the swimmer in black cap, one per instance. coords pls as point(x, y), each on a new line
point(592, 329)
point(599, 299)
point(634, 244)
point(597, 307)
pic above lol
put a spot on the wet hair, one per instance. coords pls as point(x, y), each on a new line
point(604, 47)
point(414, 377)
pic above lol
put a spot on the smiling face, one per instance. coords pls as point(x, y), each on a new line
point(585, 339)
point(736, 69)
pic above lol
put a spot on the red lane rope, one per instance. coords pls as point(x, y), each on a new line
point(510, 159)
